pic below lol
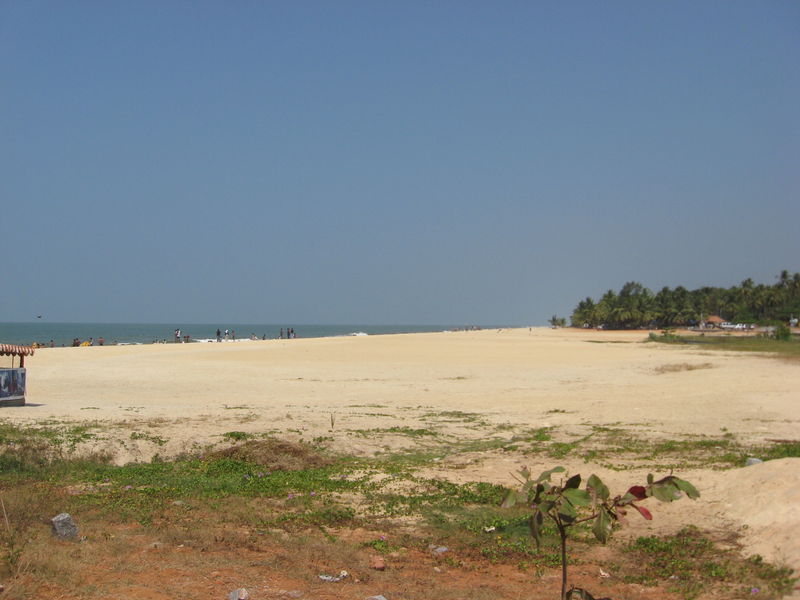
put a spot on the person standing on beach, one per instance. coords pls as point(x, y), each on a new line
point(281, 333)
point(219, 335)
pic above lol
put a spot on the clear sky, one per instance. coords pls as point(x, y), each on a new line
point(390, 162)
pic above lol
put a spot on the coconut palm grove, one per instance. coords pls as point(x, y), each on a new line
point(636, 306)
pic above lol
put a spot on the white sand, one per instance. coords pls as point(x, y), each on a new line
point(190, 394)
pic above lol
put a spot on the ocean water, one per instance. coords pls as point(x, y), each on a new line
point(62, 334)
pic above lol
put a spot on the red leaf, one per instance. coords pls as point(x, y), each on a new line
point(644, 512)
point(638, 492)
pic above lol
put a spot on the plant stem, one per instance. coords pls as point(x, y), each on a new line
point(5, 516)
point(562, 531)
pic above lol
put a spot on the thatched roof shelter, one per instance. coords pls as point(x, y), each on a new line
point(13, 350)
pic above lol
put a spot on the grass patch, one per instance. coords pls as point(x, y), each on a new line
point(236, 436)
point(778, 449)
point(29, 448)
point(453, 416)
point(155, 439)
point(404, 430)
point(786, 348)
point(236, 498)
point(690, 564)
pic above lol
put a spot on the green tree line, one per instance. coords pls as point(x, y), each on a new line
point(635, 306)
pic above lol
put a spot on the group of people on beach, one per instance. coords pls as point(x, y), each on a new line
point(50, 344)
point(230, 334)
point(178, 337)
point(101, 341)
point(76, 342)
point(177, 334)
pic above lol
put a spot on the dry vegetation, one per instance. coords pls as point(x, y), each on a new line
point(272, 515)
point(676, 368)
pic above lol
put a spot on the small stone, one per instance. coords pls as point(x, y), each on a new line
point(295, 594)
point(334, 578)
point(437, 569)
point(178, 503)
point(240, 594)
point(64, 527)
point(378, 597)
point(752, 461)
point(377, 563)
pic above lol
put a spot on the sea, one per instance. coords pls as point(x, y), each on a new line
point(63, 334)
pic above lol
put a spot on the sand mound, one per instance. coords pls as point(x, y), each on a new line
point(764, 501)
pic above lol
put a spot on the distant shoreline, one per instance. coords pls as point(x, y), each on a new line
point(63, 334)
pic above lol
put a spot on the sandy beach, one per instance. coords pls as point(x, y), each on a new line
point(182, 397)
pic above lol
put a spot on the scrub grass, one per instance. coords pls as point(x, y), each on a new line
point(782, 348)
point(303, 510)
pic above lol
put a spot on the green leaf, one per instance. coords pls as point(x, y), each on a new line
point(567, 511)
point(602, 525)
point(578, 497)
point(549, 497)
point(598, 488)
point(513, 498)
point(510, 499)
point(666, 492)
point(686, 487)
point(573, 482)
point(579, 594)
point(650, 479)
point(545, 476)
point(546, 506)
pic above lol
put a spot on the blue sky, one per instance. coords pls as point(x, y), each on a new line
point(390, 162)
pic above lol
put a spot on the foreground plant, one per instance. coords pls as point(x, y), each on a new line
point(568, 505)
